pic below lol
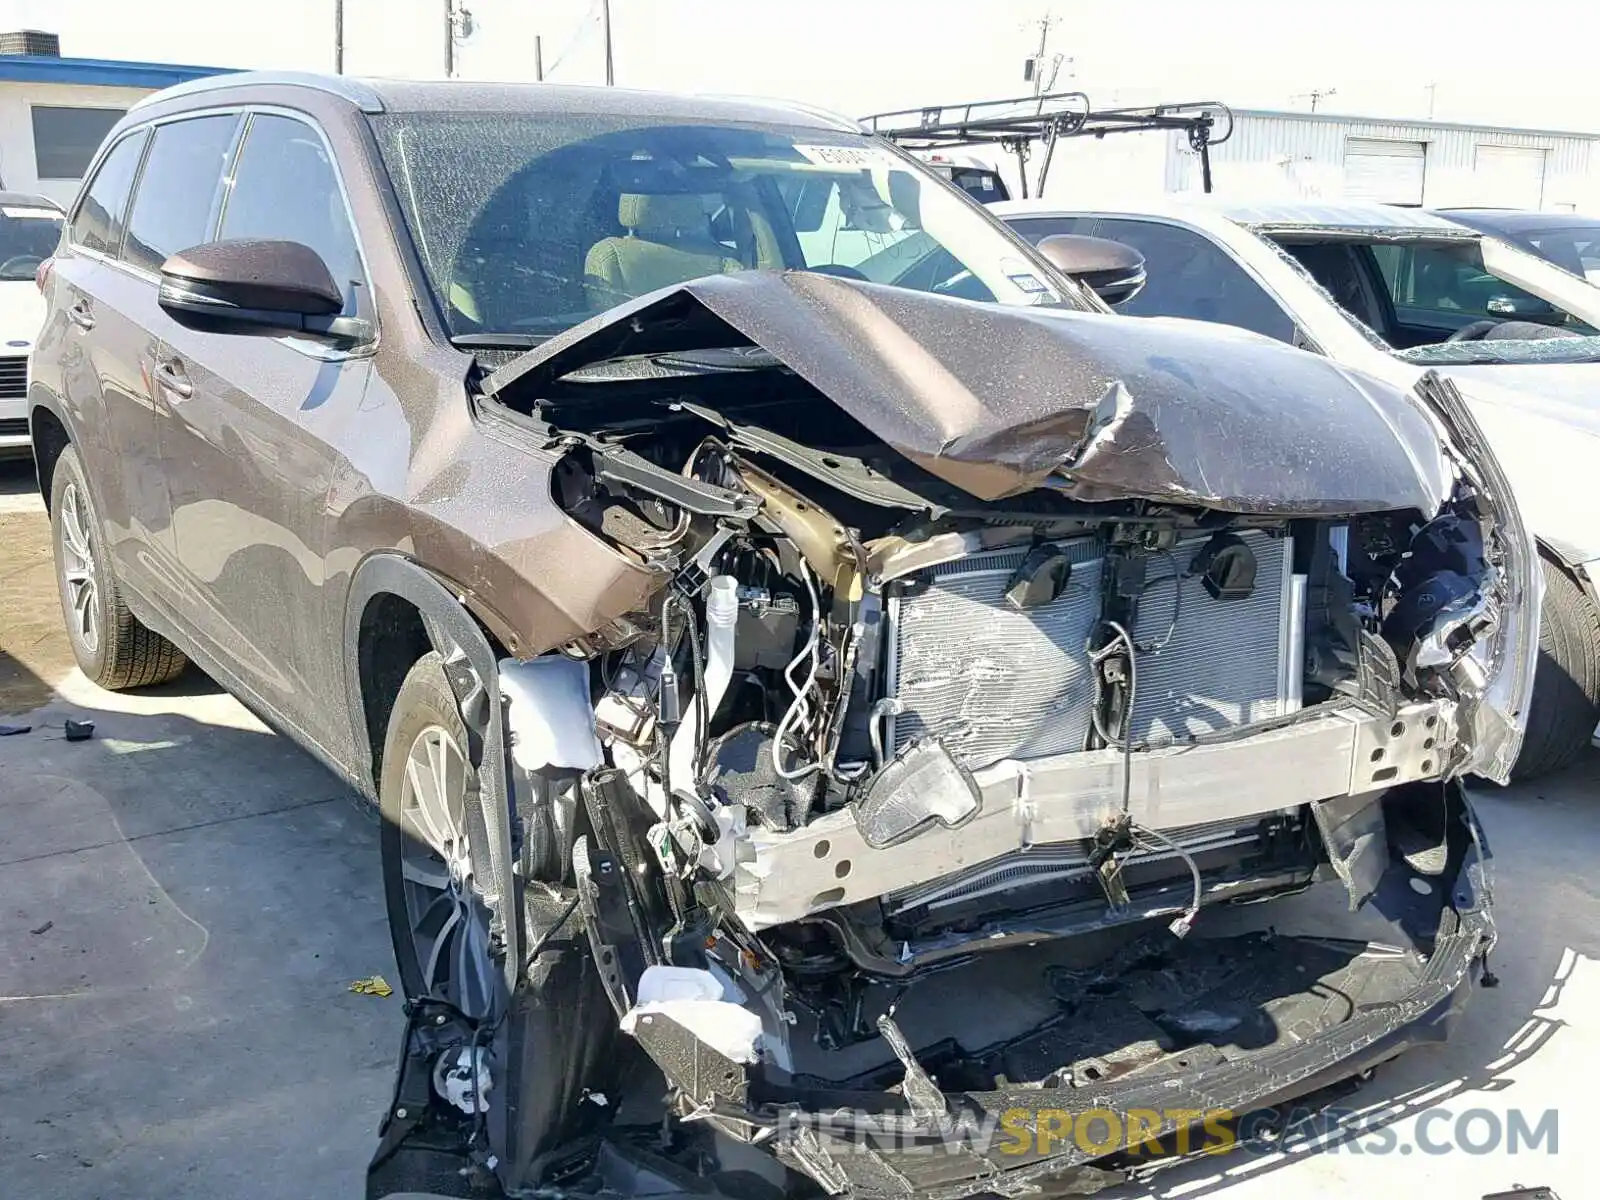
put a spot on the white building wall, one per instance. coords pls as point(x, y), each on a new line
point(18, 170)
point(1303, 157)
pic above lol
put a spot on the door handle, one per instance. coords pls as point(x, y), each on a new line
point(171, 376)
point(80, 315)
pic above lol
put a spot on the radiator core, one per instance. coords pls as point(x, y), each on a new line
point(994, 682)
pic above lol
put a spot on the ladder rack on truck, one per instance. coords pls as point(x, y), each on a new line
point(1016, 124)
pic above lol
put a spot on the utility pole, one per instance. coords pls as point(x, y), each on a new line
point(1314, 96)
point(1033, 68)
point(449, 39)
point(1432, 89)
point(338, 37)
point(538, 58)
point(605, 23)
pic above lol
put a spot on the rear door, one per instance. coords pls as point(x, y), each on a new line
point(95, 353)
point(247, 436)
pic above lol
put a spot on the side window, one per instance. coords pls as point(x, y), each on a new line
point(284, 188)
point(1451, 281)
point(177, 189)
point(1189, 275)
point(98, 222)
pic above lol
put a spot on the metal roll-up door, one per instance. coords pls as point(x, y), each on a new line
point(1510, 176)
point(1388, 172)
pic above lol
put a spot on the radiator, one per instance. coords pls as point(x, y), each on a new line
point(989, 680)
point(1229, 661)
point(993, 682)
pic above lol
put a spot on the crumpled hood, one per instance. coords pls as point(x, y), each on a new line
point(1000, 400)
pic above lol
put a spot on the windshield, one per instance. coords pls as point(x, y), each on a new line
point(529, 224)
point(28, 236)
point(1449, 300)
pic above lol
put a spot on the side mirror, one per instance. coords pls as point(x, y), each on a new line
point(1111, 270)
point(251, 285)
point(1523, 307)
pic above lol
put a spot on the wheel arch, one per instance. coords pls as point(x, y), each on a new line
point(401, 605)
point(49, 433)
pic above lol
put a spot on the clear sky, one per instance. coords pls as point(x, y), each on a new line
point(1473, 60)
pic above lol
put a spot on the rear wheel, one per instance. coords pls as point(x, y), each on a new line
point(112, 647)
point(1566, 685)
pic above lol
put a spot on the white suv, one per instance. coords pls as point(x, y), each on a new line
point(30, 226)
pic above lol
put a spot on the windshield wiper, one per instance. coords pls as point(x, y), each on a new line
point(499, 341)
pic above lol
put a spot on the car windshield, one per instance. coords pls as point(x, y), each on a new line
point(28, 236)
point(527, 224)
point(1441, 301)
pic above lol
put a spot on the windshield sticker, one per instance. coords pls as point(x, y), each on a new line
point(48, 214)
point(862, 158)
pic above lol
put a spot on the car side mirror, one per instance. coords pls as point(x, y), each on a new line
point(255, 285)
point(1111, 270)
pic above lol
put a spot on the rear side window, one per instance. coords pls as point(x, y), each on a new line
point(285, 188)
point(98, 223)
point(177, 190)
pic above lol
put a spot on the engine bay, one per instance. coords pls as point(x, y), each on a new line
point(947, 752)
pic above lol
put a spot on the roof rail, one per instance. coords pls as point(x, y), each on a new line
point(356, 91)
point(1015, 124)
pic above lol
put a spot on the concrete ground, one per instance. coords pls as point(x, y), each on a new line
point(185, 899)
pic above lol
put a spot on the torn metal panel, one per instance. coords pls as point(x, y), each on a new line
point(999, 400)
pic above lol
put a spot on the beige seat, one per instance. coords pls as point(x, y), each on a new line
point(668, 241)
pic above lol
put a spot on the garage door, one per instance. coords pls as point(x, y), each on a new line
point(1509, 176)
point(1385, 171)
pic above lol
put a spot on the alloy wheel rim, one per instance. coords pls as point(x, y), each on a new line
point(77, 570)
point(449, 922)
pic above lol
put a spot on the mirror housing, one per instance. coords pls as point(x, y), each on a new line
point(255, 285)
point(1111, 270)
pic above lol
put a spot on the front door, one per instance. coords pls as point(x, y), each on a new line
point(247, 440)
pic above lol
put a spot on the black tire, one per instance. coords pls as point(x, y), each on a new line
point(560, 1036)
point(116, 651)
point(424, 702)
point(1566, 685)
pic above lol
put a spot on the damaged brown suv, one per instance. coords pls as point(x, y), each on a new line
point(811, 660)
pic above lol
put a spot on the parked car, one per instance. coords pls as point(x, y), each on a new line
point(30, 227)
point(1396, 293)
point(1571, 242)
point(780, 619)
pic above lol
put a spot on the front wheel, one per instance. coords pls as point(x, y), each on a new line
point(437, 916)
point(1566, 685)
point(558, 1036)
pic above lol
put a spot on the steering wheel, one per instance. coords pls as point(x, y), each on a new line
point(20, 263)
point(841, 271)
point(1473, 332)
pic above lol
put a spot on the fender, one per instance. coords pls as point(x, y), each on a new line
point(473, 672)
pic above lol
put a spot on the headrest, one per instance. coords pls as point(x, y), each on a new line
point(661, 214)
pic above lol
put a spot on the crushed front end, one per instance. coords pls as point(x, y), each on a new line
point(937, 793)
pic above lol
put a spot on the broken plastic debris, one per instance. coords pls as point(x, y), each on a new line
point(693, 999)
point(78, 731)
point(599, 1098)
point(13, 730)
point(374, 985)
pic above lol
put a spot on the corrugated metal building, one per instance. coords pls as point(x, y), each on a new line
point(1317, 156)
